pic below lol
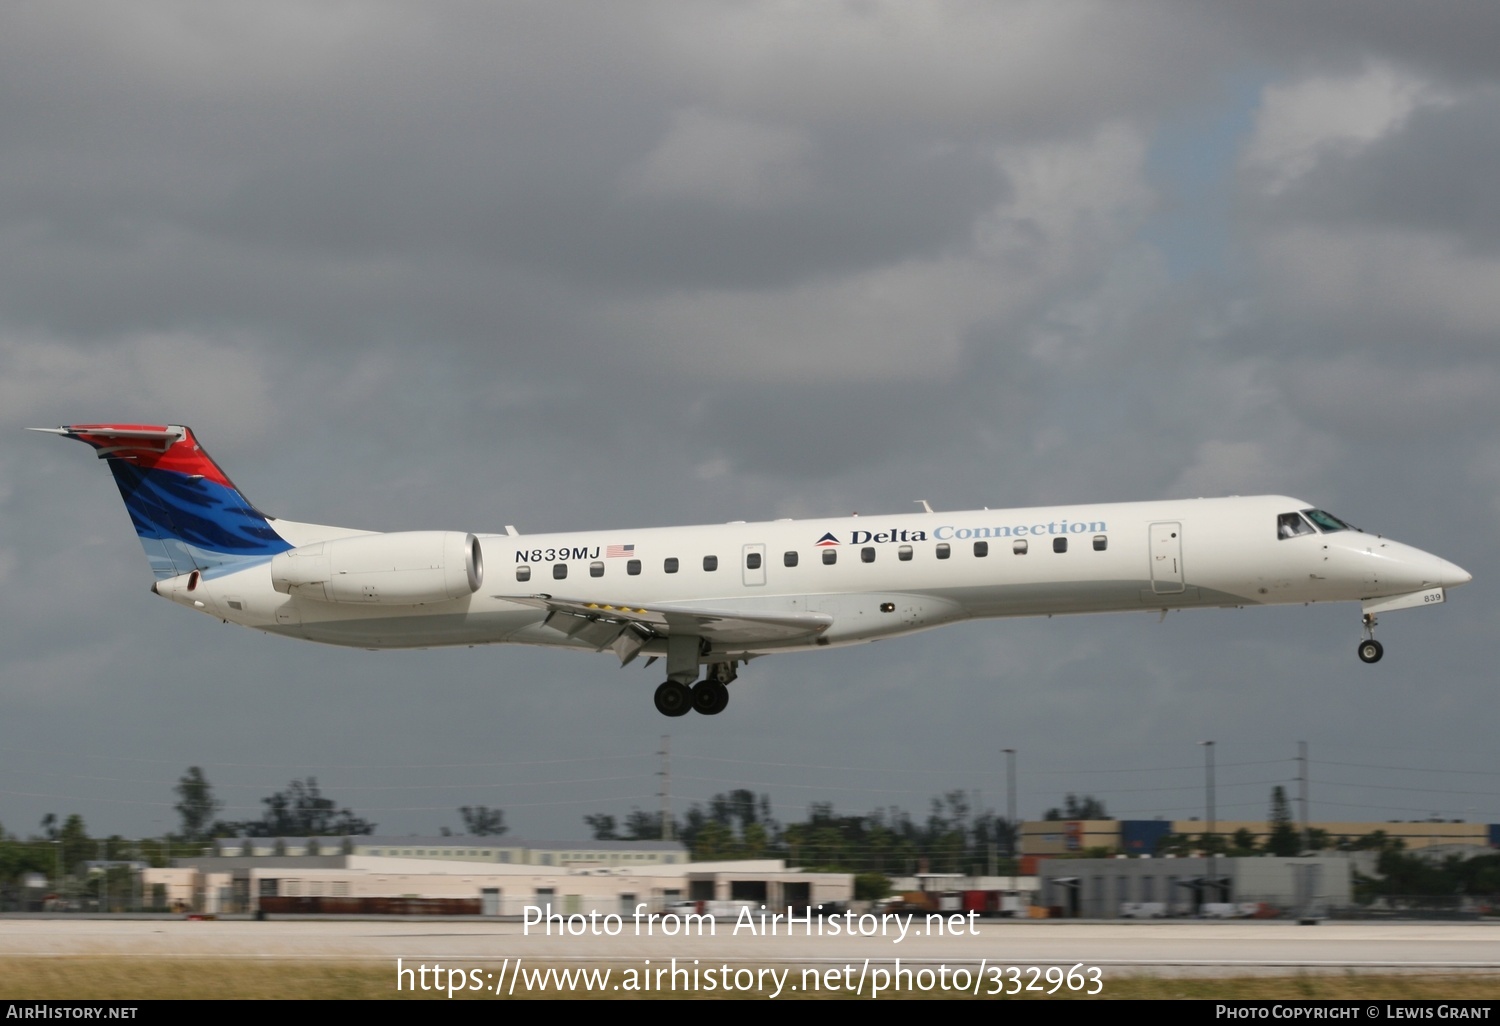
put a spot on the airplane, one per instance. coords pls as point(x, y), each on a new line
point(718, 596)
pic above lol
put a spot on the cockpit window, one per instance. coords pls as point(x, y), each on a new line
point(1290, 525)
point(1326, 521)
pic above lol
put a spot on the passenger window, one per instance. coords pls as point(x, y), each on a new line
point(981, 548)
point(710, 563)
point(596, 569)
point(1019, 547)
point(830, 557)
point(867, 554)
point(1101, 542)
point(670, 564)
point(789, 559)
point(904, 553)
point(752, 561)
point(943, 550)
point(633, 568)
point(1290, 525)
point(523, 573)
point(559, 571)
point(1059, 545)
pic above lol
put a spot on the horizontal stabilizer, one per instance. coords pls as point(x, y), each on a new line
point(188, 514)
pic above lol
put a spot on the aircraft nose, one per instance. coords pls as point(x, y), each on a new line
point(1451, 575)
point(1398, 567)
point(1437, 570)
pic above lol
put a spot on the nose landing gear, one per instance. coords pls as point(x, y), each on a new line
point(1370, 650)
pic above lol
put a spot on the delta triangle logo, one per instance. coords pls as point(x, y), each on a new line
point(827, 541)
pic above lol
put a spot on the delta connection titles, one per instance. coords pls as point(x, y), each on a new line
point(948, 532)
point(749, 922)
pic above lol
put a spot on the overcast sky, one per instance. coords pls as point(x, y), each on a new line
point(572, 265)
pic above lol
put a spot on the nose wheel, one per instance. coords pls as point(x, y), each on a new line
point(1370, 650)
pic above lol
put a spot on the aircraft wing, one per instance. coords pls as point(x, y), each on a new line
point(626, 628)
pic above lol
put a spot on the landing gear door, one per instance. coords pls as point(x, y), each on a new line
point(1166, 558)
point(753, 565)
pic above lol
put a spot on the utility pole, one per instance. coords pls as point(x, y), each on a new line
point(666, 786)
point(1213, 824)
point(978, 815)
point(1014, 829)
point(1302, 796)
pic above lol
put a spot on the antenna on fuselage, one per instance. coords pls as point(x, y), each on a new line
point(924, 504)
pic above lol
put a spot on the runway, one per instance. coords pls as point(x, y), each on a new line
point(1209, 949)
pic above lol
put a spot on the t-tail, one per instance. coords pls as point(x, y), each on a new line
point(189, 515)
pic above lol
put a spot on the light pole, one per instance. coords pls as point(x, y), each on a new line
point(1213, 875)
point(1012, 834)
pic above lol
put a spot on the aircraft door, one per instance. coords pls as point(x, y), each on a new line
point(753, 565)
point(1166, 558)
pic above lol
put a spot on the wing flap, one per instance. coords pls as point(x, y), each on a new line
point(627, 627)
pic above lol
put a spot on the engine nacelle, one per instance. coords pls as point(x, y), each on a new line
point(407, 568)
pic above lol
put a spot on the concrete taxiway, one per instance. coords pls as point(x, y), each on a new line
point(1156, 949)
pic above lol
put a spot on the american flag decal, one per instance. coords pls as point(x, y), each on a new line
point(615, 551)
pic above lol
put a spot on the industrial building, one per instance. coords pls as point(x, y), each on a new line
point(467, 876)
point(1262, 885)
point(1142, 836)
point(510, 851)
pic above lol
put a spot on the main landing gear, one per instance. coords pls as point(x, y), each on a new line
point(1370, 650)
point(674, 699)
point(709, 696)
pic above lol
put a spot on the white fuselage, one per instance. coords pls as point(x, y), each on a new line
point(887, 575)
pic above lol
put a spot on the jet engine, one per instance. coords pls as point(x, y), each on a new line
point(406, 568)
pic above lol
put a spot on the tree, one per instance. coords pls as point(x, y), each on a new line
point(603, 826)
point(642, 826)
point(1075, 807)
point(955, 837)
point(1283, 840)
point(713, 843)
point(1212, 844)
point(302, 811)
point(1379, 840)
point(76, 844)
point(197, 806)
point(483, 821)
point(1180, 845)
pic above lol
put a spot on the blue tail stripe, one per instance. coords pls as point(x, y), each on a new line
point(187, 522)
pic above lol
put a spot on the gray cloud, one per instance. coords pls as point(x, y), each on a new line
point(1446, 40)
point(571, 266)
point(1431, 176)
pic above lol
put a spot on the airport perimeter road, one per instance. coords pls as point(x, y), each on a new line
point(1166, 949)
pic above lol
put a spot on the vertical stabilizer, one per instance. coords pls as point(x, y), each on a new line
point(188, 514)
